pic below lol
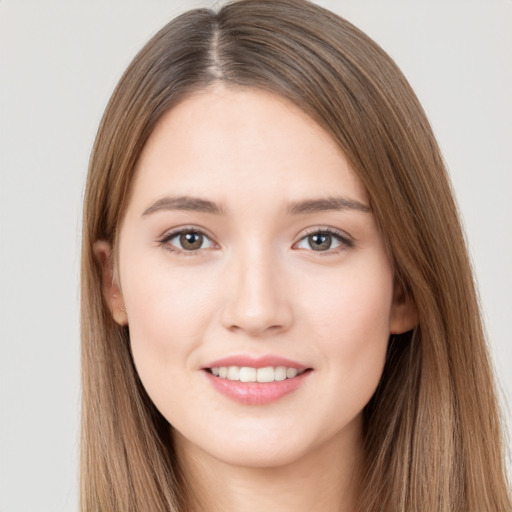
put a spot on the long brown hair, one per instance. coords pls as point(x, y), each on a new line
point(432, 431)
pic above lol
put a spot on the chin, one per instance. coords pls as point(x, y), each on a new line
point(257, 456)
point(267, 445)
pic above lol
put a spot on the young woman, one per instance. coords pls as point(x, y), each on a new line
point(278, 309)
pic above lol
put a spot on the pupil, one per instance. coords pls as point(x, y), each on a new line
point(320, 242)
point(190, 241)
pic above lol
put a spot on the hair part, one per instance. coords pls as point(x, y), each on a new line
point(432, 432)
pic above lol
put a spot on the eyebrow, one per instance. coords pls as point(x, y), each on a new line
point(186, 203)
point(189, 203)
point(330, 203)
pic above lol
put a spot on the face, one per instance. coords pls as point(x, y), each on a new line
point(257, 288)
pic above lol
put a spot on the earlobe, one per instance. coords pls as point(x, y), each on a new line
point(110, 282)
point(404, 315)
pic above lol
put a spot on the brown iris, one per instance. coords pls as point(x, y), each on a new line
point(320, 241)
point(191, 240)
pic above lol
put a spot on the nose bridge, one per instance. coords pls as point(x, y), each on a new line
point(257, 302)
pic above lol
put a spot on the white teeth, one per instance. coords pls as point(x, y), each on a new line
point(291, 372)
point(248, 374)
point(280, 373)
point(265, 374)
point(233, 373)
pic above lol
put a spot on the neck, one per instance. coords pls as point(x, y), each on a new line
point(323, 480)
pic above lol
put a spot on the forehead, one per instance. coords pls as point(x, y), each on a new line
point(242, 142)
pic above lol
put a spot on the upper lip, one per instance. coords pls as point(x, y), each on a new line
point(256, 362)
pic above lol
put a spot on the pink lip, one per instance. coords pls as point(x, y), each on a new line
point(255, 362)
point(255, 393)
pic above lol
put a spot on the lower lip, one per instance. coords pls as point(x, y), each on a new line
point(256, 393)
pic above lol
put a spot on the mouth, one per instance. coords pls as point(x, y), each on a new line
point(251, 374)
point(256, 381)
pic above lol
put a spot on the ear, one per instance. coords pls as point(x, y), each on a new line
point(110, 281)
point(404, 315)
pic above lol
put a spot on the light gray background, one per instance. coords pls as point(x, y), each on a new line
point(59, 61)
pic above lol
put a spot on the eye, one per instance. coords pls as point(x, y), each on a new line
point(187, 240)
point(324, 241)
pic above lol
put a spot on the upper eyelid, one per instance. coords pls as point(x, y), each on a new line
point(171, 233)
point(324, 229)
point(346, 241)
point(164, 240)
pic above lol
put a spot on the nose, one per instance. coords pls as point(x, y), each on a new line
point(257, 302)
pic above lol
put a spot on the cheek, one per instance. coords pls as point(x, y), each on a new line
point(350, 317)
point(353, 301)
point(166, 317)
point(167, 311)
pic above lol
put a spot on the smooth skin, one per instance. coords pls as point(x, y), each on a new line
point(229, 247)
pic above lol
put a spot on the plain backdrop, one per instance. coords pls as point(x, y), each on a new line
point(59, 62)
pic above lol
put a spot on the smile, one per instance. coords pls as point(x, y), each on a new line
point(256, 381)
point(249, 374)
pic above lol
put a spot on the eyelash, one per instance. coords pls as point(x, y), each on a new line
point(164, 241)
point(345, 241)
